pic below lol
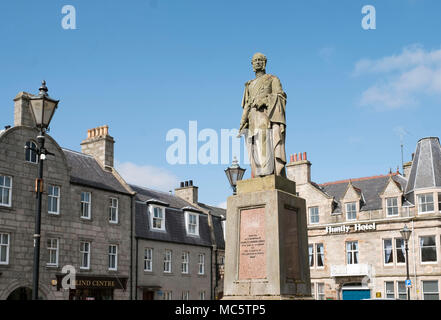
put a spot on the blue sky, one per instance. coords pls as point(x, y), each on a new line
point(145, 67)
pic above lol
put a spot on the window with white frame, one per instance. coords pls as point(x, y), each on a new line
point(389, 289)
point(320, 252)
point(5, 191)
point(186, 295)
point(113, 257)
point(201, 295)
point(30, 154)
point(201, 263)
point(425, 203)
point(351, 211)
point(85, 205)
point(400, 250)
point(392, 206)
point(157, 218)
point(192, 223)
point(394, 253)
point(85, 255)
point(388, 251)
point(113, 210)
point(402, 290)
point(430, 290)
point(148, 259)
point(184, 264)
point(320, 291)
point(52, 248)
point(4, 248)
point(352, 252)
point(53, 199)
point(168, 295)
point(313, 215)
point(168, 261)
point(428, 249)
point(311, 255)
point(439, 201)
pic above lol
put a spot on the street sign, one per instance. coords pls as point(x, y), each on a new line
point(408, 283)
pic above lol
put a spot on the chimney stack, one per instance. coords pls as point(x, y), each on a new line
point(299, 170)
point(188, 192)
point(99, 144)
point(22, 110)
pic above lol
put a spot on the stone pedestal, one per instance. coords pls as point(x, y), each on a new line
point(266, 242)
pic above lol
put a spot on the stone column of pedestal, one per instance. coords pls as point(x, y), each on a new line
point(266, 253)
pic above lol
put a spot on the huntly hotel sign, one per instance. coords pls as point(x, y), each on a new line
point(356, 227)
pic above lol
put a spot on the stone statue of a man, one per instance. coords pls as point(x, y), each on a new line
point(263, 121)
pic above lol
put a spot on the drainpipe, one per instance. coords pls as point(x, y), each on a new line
point(136, 270)
point(216, 273)
point(131, 250)
point(414, 263)
point(211, 272)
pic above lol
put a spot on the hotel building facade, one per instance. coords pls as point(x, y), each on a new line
point(356, 250)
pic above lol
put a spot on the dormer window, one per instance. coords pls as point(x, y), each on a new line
point(351, 211)
point(157, 218)
point(392, 206)
point(192, 223)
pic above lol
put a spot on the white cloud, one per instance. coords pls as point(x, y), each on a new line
point(147, 176)
point(404, 78)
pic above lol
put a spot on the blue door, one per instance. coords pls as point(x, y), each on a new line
point(356, 294)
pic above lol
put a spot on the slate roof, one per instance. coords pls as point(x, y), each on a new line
point(174, 227)
point(426, 166)
point(85, 170)
point(175, 219)
point(370, 188)
point(146, 194)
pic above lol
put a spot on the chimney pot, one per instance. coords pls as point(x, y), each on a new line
point(186, 183)
point(182, 184)
point(190, 183)
point(300, 156)
point(295, 157)
point(304, 156)
point(291, 159)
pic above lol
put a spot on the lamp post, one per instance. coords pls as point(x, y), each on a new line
point(405, 233)
point(234, 173)
point(43, 108)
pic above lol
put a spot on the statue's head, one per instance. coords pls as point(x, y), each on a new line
point(258, 62)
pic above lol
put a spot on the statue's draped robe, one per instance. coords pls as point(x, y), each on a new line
point(265, 137)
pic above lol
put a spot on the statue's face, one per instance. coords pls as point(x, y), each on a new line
point(258, 63)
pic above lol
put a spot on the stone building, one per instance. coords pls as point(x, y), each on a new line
point(179, 245)
point(355, 247)
point(86, 215)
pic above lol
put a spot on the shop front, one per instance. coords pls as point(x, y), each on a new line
point(94, 287)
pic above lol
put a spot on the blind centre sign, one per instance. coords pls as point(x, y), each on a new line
point(356, 227)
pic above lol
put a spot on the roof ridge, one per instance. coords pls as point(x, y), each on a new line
point(77, 152)
point(150, 189)
point(359, 179)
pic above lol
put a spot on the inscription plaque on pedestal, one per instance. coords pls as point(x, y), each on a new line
point(252, 253)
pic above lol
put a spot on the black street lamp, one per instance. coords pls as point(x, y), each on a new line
point(43, 108)
point(234, 173)
point(405, 233)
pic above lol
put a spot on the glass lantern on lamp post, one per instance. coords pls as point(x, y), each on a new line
point(234, 173)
